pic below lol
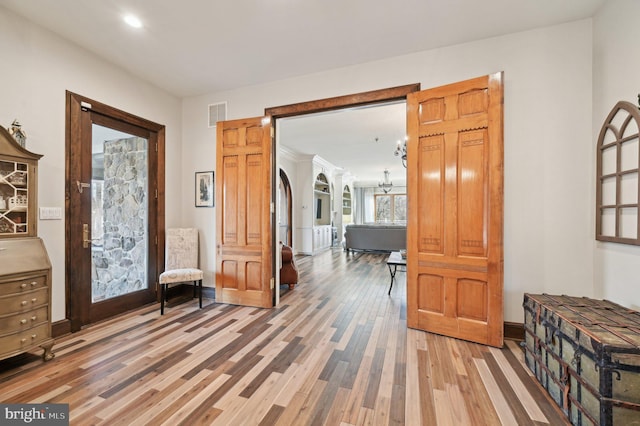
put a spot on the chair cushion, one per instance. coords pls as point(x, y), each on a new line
point(180, 275)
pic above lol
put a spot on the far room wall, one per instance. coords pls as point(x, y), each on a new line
point(547, 134)
point(615, 78)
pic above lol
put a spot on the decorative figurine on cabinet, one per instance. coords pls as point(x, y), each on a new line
point(18, 134)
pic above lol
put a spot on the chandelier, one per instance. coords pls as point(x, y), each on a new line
point(387, 184)
point(401, 151)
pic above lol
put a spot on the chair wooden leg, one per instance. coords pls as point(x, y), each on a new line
point(200, 292)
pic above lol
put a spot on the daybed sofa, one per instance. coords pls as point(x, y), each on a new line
point(375, 237)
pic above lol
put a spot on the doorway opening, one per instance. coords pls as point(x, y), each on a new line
point(285, 231)
point(340, 212)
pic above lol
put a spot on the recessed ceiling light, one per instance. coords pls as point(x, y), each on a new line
point(133, 21)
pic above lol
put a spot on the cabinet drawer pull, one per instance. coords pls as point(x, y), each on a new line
point(33, 318)
point(24, 303)
point(34, 283)
point(23, 340)
point(23, 285)
point(33, 336)
point(23, 321)
point(33, 300)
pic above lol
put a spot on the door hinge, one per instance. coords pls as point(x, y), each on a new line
point(156, 146)
point(156, 193)
point(272, 131)
point(272, 283)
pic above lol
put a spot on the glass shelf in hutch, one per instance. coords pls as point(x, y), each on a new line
point(17, 189)
point(13, 197)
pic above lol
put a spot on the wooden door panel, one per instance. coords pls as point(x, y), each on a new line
point(256, 198)
point(431, 201)
point(430, 293)
point(473, 102)
point(230, 200)
point(229, 275)
point(454, 233)
point(244, 223)
point(472, 193)
point(253, 274)
point(472, 299)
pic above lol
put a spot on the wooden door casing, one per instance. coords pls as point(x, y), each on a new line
point(455, 193)
point(244, 165)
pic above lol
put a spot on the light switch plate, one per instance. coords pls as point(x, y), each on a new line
point(50, 213)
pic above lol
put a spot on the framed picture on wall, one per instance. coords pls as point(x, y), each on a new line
point(204, 189)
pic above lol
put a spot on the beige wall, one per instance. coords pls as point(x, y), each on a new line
point(37, 68)
point(615, 78)
point(548, 234)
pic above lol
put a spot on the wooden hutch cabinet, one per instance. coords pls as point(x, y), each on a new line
point(25, 268)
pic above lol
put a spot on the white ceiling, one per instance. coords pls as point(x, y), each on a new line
point(193, 47)
point(361, 141)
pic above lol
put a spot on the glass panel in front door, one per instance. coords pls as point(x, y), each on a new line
point(119, 211)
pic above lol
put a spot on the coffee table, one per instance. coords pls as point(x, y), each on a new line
point(395, 259)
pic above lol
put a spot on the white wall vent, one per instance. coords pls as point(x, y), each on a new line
point(217, 112)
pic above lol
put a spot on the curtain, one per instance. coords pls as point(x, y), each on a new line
point(364, 205)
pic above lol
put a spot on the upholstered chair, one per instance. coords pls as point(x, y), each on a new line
point(181, 262)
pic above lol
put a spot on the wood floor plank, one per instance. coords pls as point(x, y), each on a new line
point(534, 390)
point(338, 407)
point(497, 398)
point(515, 403)
point(518, 387)
point(476, 397)
point(357, 392)
point(412, 368)
point(426, 390)
point(304, 415)
point(272, 416)
point(399, 390)
point(306, 372)
point(337, 351)
point(198, 401)
point(326, 399)
point(168, 397)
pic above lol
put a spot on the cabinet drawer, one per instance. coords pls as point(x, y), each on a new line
point(24, 302)
point(24, 321)
point(25, 339)
point(22, 285)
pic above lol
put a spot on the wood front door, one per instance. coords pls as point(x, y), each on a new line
point(455, 190)
point(244, 218)
point(114, 210)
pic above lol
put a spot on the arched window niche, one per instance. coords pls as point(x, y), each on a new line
point(617, 188)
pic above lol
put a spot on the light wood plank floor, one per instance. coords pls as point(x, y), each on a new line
point(336, 351)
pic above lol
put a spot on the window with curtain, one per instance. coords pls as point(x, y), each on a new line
point(391, 208)
point(364, 205)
